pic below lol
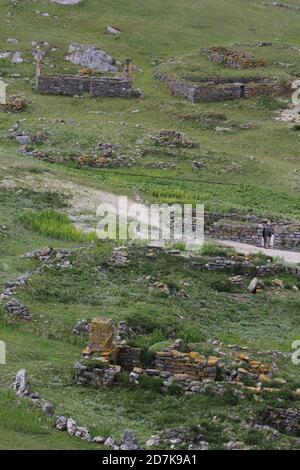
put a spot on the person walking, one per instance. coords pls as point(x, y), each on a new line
point(268, 233)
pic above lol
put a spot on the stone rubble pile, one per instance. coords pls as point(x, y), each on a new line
point(15, 308)
point(245, 266)
point(284, 419)
point(171, 138)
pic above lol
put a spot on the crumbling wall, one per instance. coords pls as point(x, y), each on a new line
point(221, 90)
point(284, 419)
point(71, 85)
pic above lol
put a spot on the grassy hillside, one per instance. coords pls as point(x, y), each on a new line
point(262, 162)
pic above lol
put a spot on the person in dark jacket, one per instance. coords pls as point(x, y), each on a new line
point(267, 234)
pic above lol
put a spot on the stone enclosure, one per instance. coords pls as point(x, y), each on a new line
point(248, 229)
point(221, 89)
point(76, 85)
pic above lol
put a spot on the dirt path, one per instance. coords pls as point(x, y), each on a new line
point(288, 256)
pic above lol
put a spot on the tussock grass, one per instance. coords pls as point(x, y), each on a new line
point(53, 224)
point(21, 415)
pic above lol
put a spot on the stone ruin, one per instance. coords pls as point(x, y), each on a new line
point(249, 229)
point(111, 354)
point(221, 89)
point(224, 89)
point(231, 58)
point(76, 85)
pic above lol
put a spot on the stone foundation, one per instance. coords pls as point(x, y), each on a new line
point(248, 229)
point(220, 90)
point(76, 85)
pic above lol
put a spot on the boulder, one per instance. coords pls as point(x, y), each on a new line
point(71, 426)
point(61, 423)
point(20, 384)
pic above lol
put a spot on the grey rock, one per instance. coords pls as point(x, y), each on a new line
point(17, 58)
point(48, 408)
point(129, 441)
point(99, 440)
point(23, 139)
point(20, 384)
point(92, 57)
point(71, 426)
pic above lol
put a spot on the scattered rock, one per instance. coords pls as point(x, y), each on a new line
point(83, 433)
point(19, 310)
point(81, 327)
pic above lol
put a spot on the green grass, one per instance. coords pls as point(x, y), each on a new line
point(254, 170)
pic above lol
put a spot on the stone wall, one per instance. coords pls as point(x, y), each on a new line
point(189, 365)
point(248, 229)
point(221, 90)
point(284, 419)
point(72, 85)
point(129, 358)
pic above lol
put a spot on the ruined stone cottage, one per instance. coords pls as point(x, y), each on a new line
point(75, 85)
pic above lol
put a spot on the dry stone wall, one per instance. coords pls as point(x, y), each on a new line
point(248, 229)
